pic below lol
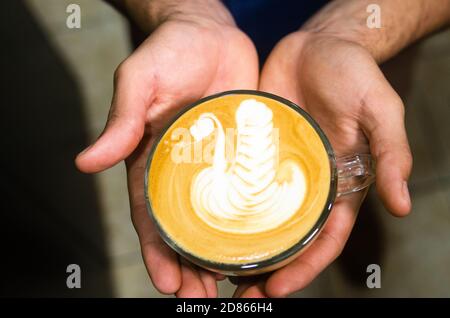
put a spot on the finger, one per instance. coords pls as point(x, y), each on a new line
point(220, 276)
point(161, 261)
point(386, 132)
point(209, 283)
point(192, 285)
point(328, 245)
point(125, 124)
point(253, 291)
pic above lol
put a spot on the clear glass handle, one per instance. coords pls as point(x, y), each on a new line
point(354, 173)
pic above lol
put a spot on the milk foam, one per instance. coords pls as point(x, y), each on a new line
point(246, 196)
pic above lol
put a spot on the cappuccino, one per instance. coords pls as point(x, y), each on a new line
point(238, 179)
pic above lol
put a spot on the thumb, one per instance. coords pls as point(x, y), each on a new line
point(125, 125)
point(386, 132)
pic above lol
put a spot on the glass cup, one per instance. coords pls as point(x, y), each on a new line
point(350, 173)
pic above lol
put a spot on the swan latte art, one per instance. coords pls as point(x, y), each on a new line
point(238, 179)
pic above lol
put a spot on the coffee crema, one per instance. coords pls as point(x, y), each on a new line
point(238, 179)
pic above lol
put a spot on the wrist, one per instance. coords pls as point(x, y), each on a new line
point(402, 23)
point(372, 40)
point(150, 14)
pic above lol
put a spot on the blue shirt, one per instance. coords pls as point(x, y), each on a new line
point(267, 21)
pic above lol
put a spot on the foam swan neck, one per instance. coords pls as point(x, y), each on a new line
point(247, 198)
point(202, 128)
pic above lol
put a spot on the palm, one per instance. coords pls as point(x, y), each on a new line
point(181, 63)
point(334, 81)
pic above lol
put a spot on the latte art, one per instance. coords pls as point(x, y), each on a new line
point(238, 179)
point(253, 194)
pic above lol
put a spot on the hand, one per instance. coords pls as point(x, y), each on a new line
point(185, 58)
point(339, 83)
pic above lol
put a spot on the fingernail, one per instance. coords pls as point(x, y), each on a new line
point(405, 191)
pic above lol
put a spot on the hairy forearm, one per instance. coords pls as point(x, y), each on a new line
point(149, 14)
point(402, 23)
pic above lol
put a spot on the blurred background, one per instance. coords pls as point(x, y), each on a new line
point(56, 87)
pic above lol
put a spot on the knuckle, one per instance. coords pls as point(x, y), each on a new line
point(408, 157)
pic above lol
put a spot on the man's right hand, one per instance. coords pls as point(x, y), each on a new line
point(195, 50)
